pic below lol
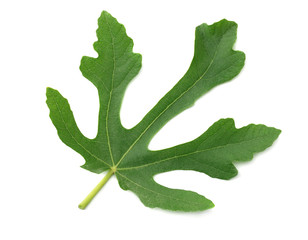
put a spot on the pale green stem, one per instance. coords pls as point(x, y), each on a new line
point(92, 194)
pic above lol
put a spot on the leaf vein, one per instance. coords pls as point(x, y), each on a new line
point(110, 95)
point(191, 153)
point(139, 137)
point(89, 152)
point(158, 193)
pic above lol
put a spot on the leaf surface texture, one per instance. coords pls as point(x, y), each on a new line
point(126, 150)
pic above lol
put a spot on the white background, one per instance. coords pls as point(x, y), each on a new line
point(41, 183)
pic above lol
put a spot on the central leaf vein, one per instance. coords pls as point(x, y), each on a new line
point(110, 95)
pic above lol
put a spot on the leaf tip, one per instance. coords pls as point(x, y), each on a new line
point(277, 132)
point(106, 15)
point(212, 205)
point(206, 205)
point(50, 91)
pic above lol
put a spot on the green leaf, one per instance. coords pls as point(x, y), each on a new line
point(124, 152)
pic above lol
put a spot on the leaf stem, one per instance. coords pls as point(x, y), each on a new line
point(98, 187)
